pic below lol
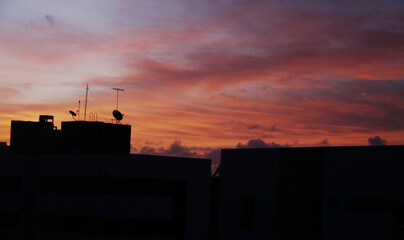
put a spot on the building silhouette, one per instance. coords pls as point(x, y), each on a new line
point(74, 136)
point(312, 193)
point(4, 148)
point(81, 182)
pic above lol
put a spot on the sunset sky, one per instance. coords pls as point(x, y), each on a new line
point(200, 75)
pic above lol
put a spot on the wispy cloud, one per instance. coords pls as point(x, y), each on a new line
point(211, 73)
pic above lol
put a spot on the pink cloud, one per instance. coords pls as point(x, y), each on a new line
point(187, 68)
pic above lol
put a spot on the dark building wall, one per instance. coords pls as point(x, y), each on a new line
point(4, 148)
point(214, 207)
point(312, 193)
point(249, 185)
point(76, 136)
point(34, 137)
point(300, 199)
point(271, 193)
point(96, 137)
point(11, 197)
point(103, 196)
point(364, 193)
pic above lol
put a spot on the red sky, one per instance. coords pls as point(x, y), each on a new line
point(199, 75)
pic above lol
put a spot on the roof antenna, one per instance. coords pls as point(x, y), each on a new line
point(117, 114)
point(117, 95)
point(85, 106)
point(79, 112)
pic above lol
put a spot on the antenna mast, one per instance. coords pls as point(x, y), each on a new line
point(85, 106)
point(117, 95)
point(79, 111)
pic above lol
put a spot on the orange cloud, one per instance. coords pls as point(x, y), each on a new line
point(289, 74)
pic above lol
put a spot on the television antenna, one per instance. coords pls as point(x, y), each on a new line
point(79, 111)
point(117, 95)
point(85, 106)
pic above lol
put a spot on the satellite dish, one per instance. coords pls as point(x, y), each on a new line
point(72, 113)
point(117, 115)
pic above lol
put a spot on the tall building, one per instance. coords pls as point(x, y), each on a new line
point(80, 182)
point(312, 193)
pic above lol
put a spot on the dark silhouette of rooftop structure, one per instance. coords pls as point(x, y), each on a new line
point(80, 182)
point(3, 147)
point(74, 136)
point(53, 191)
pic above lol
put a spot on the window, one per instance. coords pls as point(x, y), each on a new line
point(247, 220)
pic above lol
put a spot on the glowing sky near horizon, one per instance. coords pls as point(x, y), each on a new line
point(199, 75)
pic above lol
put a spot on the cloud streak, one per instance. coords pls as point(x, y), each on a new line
point(211, 73)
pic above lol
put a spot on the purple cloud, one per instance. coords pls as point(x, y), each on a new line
point(377, 141)
point(259, 143)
